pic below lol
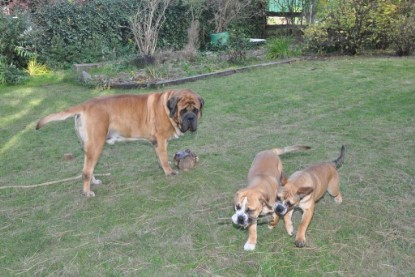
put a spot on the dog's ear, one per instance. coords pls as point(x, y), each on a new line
point(304, 191)
point(172, 105)
point(283, 179)
point(237, 197)
point(265, 201)
point(202, 103)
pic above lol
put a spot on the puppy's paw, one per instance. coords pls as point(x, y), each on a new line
point(338, 199)
point(171, 172)
point(290, 231)
point(249, 246)
point(89, 193)
point(300, 243)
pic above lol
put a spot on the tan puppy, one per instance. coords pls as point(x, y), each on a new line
point(303, 189)
point(155, 117)
point(258, 198)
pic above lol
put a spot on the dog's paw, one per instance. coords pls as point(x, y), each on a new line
point(89, 193)
point(271, 226)
point(300, 243)
point(96, 182)
point(338, 199)
point(249, 246)
point(171, 172)
point(290, 231)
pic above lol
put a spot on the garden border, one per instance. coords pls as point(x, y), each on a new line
point(132, 85)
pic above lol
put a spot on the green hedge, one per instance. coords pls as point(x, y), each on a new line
point(99, 30)
point(93, 31)
point(83, 32)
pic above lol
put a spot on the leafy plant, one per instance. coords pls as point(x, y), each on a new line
point(36, 69)
point(237, 49)
point(344, 26)
point(91, 31)
point(10, 74)
point(402, 30)
point(281, 47)
point(16, 46)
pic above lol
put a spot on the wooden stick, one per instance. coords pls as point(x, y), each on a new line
point(51, 182)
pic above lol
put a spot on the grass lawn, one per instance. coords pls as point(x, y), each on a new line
point(142, 223)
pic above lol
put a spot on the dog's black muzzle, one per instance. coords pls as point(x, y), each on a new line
point(189, 122)
point(280, 208)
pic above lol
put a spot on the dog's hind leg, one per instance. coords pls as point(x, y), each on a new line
point(93, 145)
point(334, 189)
point(92, 154)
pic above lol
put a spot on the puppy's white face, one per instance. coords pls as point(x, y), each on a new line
point(241, 216)
point(248, 206)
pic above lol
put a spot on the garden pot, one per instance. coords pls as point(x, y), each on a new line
point(219, 38)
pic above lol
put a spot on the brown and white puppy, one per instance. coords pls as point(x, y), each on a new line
point(258, 198)
point(303, 189)
point(155, 117)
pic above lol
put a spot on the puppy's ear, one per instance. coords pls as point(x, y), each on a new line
point(237, 197)
point(283, 179)
point(265, 201)
point(172, 105)
point(304, 191)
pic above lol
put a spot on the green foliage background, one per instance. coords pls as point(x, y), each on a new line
point(354, 26)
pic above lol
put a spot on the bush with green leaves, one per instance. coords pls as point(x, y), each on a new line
point(402, 30)
point(237, 49)
point(173, 33)
point(344, 26)
point(94, 31)
point(350, 26)
point(90, 31)
point(16, 46)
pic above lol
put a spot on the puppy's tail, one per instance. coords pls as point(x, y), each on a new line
point(292, 148)
point(339, 161)
point(59, 116)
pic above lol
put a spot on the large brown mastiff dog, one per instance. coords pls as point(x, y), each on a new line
point(258, 198)
point(303, 189)
point(155, 117)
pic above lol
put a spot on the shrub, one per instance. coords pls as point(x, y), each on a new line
point(35, 69)
point(282, 47)
point(90, 31)
point(173, 32)
point(10, 74)
point(402, 30)
point(237, 49)
point(16, 48)
point(347, 26)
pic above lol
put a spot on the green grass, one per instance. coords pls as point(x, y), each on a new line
point(142, 223)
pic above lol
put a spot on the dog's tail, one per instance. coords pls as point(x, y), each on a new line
point(339, 161)
point(59, 116)
point(292, 148)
